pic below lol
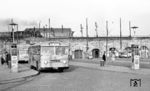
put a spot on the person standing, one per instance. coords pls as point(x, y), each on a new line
point(2, 60)
point(8, 59)
point(104, 58)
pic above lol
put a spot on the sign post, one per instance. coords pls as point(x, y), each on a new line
point(136, 62)
point(14, 58)
point(135, 57)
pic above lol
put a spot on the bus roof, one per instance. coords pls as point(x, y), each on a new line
point(50, 44)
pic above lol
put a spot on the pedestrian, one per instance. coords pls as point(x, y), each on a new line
point(2, 60)
point(104, 59)
point(8, 59)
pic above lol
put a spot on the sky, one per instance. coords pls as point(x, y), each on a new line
point(72, 13)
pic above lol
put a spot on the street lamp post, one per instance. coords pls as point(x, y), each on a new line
point(87, 46)
point(134, 28)
point(14, 51)
point(135, 52)
point(12, 24)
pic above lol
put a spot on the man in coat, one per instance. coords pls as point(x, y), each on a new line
point(104, 58)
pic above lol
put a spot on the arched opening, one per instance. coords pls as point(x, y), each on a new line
point(95, 53)
point(143, 48)
point(78, 54)
point(144, 52)
point(128, 51)
point(113, 51)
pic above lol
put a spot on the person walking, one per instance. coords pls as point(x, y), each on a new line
point(104, 59)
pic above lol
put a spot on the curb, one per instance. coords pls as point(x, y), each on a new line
point(18, 79)
point(126, 70)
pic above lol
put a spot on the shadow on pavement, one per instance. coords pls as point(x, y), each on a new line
point(23, 70)
point(49, 70)
point(23, 62)
point(71, 68)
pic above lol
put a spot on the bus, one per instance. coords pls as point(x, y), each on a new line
point(54, 56)
point(23, 52)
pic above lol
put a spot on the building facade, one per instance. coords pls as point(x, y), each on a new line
point(80, 47)
point(93, 47)
point(50, 32)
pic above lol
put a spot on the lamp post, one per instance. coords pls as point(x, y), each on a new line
point(87, 46)
point(14, 52)
point(135, 52)
point(134, 28)
point(12, 24)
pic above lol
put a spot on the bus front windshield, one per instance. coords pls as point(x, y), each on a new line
point(61, 50)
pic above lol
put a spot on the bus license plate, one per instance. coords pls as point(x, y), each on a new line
point(57, 65)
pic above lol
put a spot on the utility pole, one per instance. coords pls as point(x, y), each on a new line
point(62, 27)
point(44, 31)
point(49, 23)
point(87, 46)
point(17, 34)
point(96, 29)
point(106, 37)
point(87, 27)
point(81, 30)
point(120, 35)
point(34, 33)
point(130, 28)
point(39, 24)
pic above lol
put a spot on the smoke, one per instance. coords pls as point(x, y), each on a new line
point(22, 24)
point(27, 23)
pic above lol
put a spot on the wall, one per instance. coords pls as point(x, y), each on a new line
point(80, 43)
point(98, 43)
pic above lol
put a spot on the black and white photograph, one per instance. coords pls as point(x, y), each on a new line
point(74, 45)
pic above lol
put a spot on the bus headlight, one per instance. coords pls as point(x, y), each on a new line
point(45, 62)
point(64, 61)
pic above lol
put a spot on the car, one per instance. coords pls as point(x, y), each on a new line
point(124, 55)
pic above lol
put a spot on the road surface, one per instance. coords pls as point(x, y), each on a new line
point(82, 79)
